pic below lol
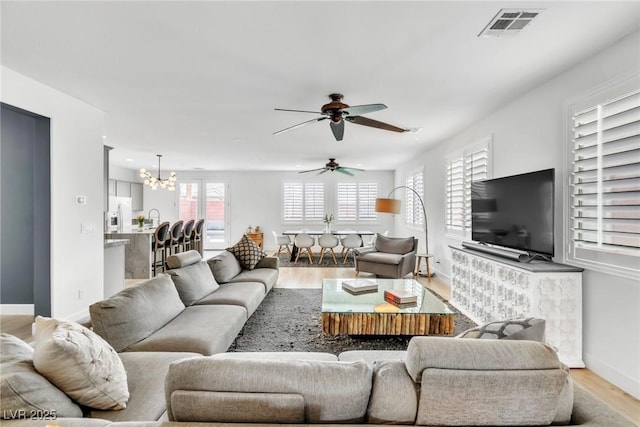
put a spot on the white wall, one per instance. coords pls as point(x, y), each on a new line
point(76, 133)
point(255, 198)
point(529, 134)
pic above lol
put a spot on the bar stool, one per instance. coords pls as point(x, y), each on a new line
point(185, 236)
point(327, 242)
point(159, 244)
point(196, 236)
point(174, 237)
point(306, 242)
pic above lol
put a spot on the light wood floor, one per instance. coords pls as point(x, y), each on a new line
point(309, 277)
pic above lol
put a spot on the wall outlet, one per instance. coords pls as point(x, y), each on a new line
point(87, 228)
point(437, 260)
point(80, 294)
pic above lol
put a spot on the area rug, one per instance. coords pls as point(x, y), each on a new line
point(290, 320)
point(327, 261)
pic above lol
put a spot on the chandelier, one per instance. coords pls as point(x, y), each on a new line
point(153, 182)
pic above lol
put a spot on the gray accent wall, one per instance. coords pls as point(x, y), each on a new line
point(25, 209)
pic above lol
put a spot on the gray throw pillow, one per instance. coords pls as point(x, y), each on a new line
point(23, 389)
point(224, 266)
point(193, 282)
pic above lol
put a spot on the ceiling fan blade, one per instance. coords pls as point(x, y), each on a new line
point(365, 121)
point(312, 170)
point(325, 170)
point(351, 169)
point(356, 110)
point(297, 111)
point(338, 129)
point(300, 125)
point(344, 171)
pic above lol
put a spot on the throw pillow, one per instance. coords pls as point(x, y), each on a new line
point(530, 328)
point(394, 245)
point(23, 390)
point(247, 252)
point(80, 363)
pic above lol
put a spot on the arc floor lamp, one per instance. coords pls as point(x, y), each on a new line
point(392, 206)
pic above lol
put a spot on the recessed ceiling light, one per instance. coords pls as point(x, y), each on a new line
point(129, 160)
point(415, 130)
point(104, 136)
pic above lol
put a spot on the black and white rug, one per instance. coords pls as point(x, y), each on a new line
point(290, 320)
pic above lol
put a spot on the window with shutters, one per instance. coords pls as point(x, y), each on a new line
point(413, 209)
point(472, 164)
point(302, 201)
point(604, 193)
point(356, 201)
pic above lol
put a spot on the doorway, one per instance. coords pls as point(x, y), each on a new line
point(208, 200)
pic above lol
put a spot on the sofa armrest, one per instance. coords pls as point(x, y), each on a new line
point(269, 262)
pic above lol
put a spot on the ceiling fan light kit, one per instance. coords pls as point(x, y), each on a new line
point(339, 112)
point(334, 166)
point(153, 182)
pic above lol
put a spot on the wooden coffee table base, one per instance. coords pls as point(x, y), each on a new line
point(387, 324)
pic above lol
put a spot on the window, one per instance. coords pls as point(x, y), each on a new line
point(356, 201)
point(463, 169)
point(303, 201)
point(413, 208)
point(604, 194)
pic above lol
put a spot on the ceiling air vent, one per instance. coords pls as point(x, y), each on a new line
point(509, 22)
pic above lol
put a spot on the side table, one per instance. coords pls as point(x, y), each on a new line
point(258, 238)
point(419, 258)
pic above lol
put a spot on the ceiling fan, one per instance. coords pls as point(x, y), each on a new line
point(338, 112)
point(334, 166)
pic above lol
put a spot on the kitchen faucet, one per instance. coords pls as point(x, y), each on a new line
point(149, 216)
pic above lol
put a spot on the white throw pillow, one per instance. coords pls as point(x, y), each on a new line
point(80, 363)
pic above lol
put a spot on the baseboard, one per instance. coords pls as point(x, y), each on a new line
point(613, 375)
point(16, 309)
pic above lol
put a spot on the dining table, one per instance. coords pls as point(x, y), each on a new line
point(339, 233)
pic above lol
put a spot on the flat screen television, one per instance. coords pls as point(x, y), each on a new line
point(515, 211)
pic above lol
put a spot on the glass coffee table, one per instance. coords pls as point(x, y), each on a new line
point(346, 313)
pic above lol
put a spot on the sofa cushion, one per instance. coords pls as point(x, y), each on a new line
point(372, 356)
point(202, 329)
point(134, 313)
point(381, 258)
point(247, 252)
point(394, 396)
point(267, 276)
point(146, 372)
point(248, 295)
point(183, 259)
point(394, 245)
point(224, 266)
point(193, 282)
point(513, 329)
point(340, 391)
point(278, 355)
point(80, 363)
point(23, 389)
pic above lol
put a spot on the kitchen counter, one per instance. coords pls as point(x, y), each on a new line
point(114, 263)
point(110, 243)
point(138, 254)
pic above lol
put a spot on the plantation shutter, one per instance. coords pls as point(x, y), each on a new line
point(413, 207)
point(313, 201)
point(455, 195)
point(476, 168)
point(347, 201)
point(367, 194)
point(292, 201)
point(605, 180)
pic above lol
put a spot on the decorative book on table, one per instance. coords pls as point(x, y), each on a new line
point(400, 296)
point(357, 286)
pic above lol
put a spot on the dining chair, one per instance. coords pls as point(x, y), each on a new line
point(304, 241)
point(282, 241)
point(349, 243)
point(327, 242)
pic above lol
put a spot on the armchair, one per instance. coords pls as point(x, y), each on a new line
point(393, 257)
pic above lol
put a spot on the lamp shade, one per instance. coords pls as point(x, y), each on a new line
point(388, 205)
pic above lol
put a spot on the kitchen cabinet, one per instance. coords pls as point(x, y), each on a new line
point(136, 197)
point(123, 189)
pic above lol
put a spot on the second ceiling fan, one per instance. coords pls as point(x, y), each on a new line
point(334, 166)
point(337, 112)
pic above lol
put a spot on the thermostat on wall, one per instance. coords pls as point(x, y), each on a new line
point(81, 200)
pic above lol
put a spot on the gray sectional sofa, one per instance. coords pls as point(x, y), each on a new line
point(171, 340)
